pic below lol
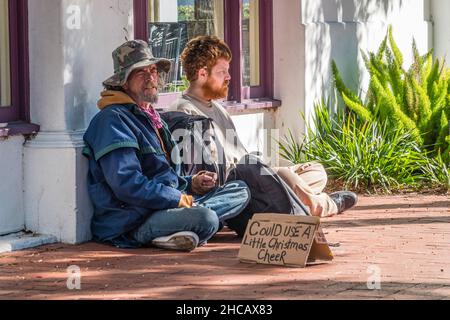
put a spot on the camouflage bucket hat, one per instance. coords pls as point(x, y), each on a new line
point(130, 56)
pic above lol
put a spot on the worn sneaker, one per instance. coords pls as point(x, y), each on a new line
point(181, 241)
point(344, 200)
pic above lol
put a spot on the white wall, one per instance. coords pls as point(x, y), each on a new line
point(289, 63)
point(317, 31)
point(440, 10)
point(68, 62)
point(105, 25)
point(255, 131)
point(12, 216)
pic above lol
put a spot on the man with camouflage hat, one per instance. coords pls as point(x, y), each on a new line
point(138, 194)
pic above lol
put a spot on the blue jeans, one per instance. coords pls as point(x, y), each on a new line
point(203, 219)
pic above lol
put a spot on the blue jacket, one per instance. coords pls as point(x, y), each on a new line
point(129, 174)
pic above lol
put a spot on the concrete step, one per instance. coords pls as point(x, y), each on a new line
point(21, 240)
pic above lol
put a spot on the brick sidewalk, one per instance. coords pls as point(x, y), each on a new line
point(407, 238)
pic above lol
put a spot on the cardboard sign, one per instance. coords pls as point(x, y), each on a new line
point(320, 250)
point(284, 240)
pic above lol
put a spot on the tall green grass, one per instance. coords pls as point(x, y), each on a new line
point(365, 155)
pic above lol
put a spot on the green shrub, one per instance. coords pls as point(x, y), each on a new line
point(416, 100)
point(177, 86)
point(365, 155)
point(437, 173)
point(186, 13)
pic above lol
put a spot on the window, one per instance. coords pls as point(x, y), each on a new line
point(172, 23)
point(5, 62)
point(250, 43)
point(246, 25)
point(13, 61)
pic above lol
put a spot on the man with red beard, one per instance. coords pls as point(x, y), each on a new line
point(206, 61)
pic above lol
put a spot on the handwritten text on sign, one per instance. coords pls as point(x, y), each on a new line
point(279, 239)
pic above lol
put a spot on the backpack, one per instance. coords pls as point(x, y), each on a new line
point(269, 193)
point(198, 149)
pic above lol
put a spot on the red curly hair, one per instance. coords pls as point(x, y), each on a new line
point(201, 52)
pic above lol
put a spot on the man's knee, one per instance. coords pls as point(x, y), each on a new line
point(320, 169)
point(239, 188)
point(206, 220)
point(312, 171)
point(309, 166)
point(236, 184)
point(322, 173)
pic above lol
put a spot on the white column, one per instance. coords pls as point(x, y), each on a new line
point(70, 55)
point(289, 64)
point(11, 185)
point(440, 10)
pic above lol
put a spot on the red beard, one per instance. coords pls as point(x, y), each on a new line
point(213, 93)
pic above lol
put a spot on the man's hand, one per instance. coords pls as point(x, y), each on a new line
point(204, 182)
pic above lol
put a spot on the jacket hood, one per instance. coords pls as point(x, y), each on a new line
point(109, 98)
